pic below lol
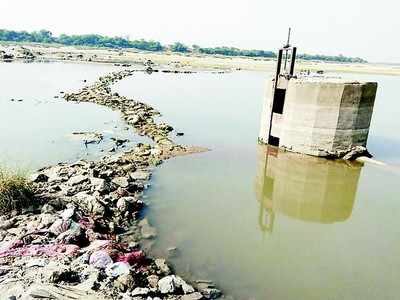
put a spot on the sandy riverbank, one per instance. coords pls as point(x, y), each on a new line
point(183, 61)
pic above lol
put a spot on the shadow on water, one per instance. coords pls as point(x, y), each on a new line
point(303, 187)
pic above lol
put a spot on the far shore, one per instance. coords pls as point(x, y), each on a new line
point(185, 61)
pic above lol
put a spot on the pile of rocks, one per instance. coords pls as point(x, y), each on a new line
point(6, 56)
point(137, 114)
point(81, 238)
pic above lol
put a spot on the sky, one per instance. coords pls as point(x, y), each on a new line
point(364, 28)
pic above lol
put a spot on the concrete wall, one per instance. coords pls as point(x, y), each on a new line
point(321, 116)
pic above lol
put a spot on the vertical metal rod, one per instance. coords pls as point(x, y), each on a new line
point(278, 71)
point(278, 66)
point(293, 60)
point(288, 39)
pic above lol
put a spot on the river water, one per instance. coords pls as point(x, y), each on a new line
point(260, 223)
point(38, 130)
point(267, 225)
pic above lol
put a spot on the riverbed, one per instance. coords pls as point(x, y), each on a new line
point(261, 224)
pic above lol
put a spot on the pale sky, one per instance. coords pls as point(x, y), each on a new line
point(365, 28)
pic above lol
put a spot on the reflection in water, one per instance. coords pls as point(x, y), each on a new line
point(304, 187)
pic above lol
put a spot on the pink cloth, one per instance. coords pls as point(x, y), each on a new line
point(131, 258)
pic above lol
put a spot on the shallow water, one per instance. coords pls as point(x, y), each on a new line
point(261, 224)
point(38, 130)
point(267, 225)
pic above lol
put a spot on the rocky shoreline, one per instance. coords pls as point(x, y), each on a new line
point(81, 238)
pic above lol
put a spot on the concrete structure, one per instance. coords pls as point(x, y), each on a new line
point(318, 116)
point(304, 187)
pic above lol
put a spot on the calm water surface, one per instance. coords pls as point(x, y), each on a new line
point(38, 130)
point(261, 224)
point(267, 225)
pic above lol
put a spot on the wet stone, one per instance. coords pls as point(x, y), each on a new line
point(121, 182)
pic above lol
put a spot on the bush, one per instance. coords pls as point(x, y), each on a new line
point(15, 191)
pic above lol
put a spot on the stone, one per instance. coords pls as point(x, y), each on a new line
point(47, 219)
point(122, 205)
point(99, 184)
point(118, 269)
point(162, 266)
point(67, 213)
point(210, 292)
point(166, 285)
point(139, 291)
point(193, 296)
point(47, 208)
point(153, 280)
point(40, 262)
point(100, 259)
point(75, 180)
point(121, 182)
point(38, 177)
point(140, 175)
point(169, 284)
point(124, 282)
point(147, 231)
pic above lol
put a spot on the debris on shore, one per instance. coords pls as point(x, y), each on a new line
point(80, 238)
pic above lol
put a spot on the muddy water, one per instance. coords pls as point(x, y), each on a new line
point(267, 225)
point(37, 131)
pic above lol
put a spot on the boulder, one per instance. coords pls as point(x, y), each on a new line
point(140, 175)
point(169, 285)
point(121, 182)
point(78, 179)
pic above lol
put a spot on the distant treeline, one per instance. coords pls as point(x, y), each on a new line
point(95, 40)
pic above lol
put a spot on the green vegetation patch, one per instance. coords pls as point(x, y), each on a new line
point(15, 191)
point(96, 40)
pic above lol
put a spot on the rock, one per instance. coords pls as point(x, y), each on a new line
point(140, 175)
point(67, 213)
point(99, 184)
point(162, 266)
point(47, 219)
point(153, 280)
point(40, 262)
point(100, 259)
point(193, 296)
point(59, 226)
point(124, 282)
point(166, 285)
point(173, 252)
point(209, 291)
point(38, 177)
point(118, 269)
point(75, 180)
point(139, 291)
point(47, 208)
point(7, 224)
point(356, 152)
point(89, 204)
point(122, 205)
point(134, 119)
point(147, 231)
point(169, 284)
point(121, 182)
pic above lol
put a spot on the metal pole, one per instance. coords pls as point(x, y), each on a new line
point(278, 71)
point(293, 60)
